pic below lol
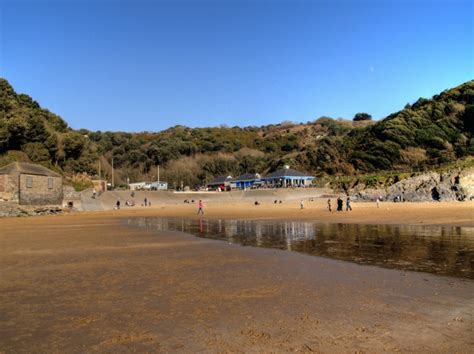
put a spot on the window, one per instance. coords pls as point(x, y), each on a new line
point(29, 182)
point(50, 183)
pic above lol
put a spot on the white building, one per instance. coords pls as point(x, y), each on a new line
point(148, 186)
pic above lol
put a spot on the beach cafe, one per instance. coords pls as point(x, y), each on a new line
point(287, 177)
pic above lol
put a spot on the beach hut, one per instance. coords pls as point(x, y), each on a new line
point(288, 177)
point(221, 182)
point(247, 180)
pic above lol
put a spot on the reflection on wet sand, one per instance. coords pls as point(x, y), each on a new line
point(434, 249)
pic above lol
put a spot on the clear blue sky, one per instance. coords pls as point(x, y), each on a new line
point(149, 65)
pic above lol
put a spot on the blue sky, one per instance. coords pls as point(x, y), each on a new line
point(148, 65)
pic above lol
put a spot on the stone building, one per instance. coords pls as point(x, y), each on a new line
point(30, 184)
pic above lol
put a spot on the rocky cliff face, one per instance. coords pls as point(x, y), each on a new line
point(455, 185)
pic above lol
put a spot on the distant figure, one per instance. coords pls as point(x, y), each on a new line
point(117, 204)
point(302, 204)
point(132, 194)
point(281, 202)
point(348, 204)
point(145, 202)
point(256, 202)
point(275, 202)
point(94, 193)
point(340, 204)
point(329, 205)
point(378, 202)
point(200, 207)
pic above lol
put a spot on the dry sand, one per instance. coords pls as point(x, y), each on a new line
point(450, 213)
point(86, 282)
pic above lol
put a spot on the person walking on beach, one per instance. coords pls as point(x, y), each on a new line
point(146, 201)
point(340, 203)
point(117, 204)
point(302, 204)
point(329, 205)
point(200, 207)
point(348, 204)
point(378, 202)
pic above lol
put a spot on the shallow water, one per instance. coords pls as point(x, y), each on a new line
point(434, 249)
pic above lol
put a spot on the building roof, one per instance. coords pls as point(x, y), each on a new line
point(248, 177)
point(27, 168)
point(220, 180)
point(286, 172)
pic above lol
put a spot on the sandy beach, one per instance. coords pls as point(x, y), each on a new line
point(446, 213)
point(87, 282)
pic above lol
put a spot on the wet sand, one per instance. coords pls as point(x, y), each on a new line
point(86, 282)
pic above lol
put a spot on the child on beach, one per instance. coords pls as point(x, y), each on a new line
point(329, 205)
point(200, 207)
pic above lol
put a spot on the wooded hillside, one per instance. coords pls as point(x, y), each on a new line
point(421, 136)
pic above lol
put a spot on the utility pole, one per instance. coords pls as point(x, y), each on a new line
point(158, 170)
point(113, 182)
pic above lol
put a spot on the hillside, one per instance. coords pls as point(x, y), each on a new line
point(421, 136)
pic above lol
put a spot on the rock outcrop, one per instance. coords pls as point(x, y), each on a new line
point(8, 209)
point(455, 185)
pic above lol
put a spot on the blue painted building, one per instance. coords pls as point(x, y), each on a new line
point(247, 180)
point(287, 177)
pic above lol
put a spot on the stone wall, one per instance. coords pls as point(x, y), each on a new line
point(40, 192)
point(71, 199)
point(9, 188)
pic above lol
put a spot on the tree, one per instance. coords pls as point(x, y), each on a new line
point(362, 116)
point(73, 144)
point(17, 129)
point(37, 152)
point(468, 118)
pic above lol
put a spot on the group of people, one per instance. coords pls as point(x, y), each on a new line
point(340, 204)
point(131, 202)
